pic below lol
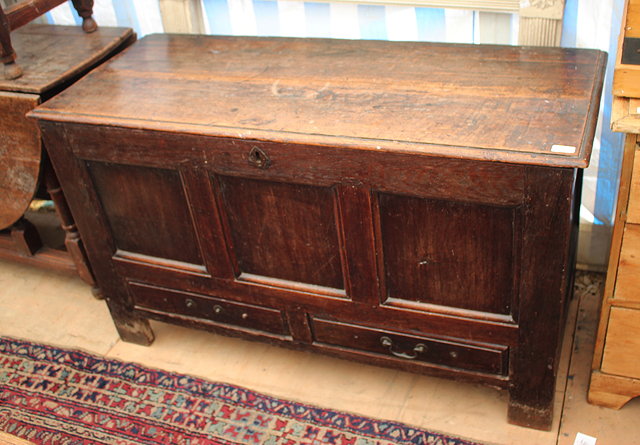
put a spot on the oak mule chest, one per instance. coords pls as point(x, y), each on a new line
point(405, 204)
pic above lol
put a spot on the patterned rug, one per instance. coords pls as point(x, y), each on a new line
point(57, 396)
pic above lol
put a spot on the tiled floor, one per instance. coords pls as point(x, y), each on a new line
point(47, 307)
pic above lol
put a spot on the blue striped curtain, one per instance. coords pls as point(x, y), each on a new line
point(141, 15)
point(596, 24)
point(293, 18)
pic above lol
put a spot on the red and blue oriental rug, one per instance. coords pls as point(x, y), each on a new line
point(56, 396)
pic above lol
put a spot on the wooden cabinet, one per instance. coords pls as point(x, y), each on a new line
point(615, 378)
point(403, 204)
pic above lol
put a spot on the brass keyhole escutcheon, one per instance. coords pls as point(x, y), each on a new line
point(258, 158)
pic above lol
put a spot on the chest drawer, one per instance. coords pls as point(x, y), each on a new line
point(485, 358)
point(628, 277)
point(623, 343)
point(217, 310)
point(633, 211)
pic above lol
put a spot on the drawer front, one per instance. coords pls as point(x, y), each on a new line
point(474, 357)
point(622, 344)
point(217, 310)
point(628, 276)
point(633, 210)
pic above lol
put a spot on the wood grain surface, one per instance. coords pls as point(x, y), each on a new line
point(19, 155)
point(633, 211)
point(612, 391)
point(420, 267)
point(626, 77)
point(8, 439)
point(633, 19)
point(616, 244)
point(510, 104)
point(19, 14)
point(51, 55)
point(624, 115)
point(623, 343)
point(628, 280)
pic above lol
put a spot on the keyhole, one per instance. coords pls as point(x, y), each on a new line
point(258, 158)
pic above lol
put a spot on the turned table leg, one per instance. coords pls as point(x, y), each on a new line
point(85, 10)
point(8, 56)
point(72, 241)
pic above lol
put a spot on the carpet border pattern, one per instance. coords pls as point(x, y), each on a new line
point(44, 389)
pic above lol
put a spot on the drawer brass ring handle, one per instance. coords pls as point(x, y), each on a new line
point(217, 309)
point(388, 343)
point(258, 158)
point(189, 303)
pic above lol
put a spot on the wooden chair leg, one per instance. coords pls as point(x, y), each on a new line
point(8, 56)
point(85, 10)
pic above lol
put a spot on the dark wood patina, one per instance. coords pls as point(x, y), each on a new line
point(404, 204)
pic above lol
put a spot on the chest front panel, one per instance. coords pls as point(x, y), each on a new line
point(349, 236)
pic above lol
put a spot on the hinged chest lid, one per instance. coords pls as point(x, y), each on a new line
point(508, 104)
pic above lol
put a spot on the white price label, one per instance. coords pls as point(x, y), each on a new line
point(583, 439)
point(567, 149)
